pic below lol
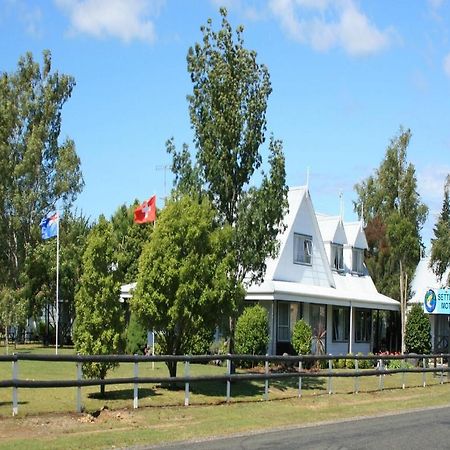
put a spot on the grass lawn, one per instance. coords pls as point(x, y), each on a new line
point(47, 419)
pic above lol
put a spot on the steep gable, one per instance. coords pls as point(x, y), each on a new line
point(301, 222)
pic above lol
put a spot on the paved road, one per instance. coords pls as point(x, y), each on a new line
point(427, 429)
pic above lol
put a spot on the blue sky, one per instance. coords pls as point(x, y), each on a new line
point(346, 74)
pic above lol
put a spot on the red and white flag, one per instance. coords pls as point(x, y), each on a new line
point(146, 212)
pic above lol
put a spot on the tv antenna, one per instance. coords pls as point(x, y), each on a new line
point(164, 167)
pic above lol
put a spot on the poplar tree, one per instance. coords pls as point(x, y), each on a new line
point(36, 168)
point(391, 205)
point(440, 245)
point(228, 115)
point(100, 321)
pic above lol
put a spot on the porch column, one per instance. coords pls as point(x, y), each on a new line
point(350, 338)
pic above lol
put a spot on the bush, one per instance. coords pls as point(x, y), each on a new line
point(350, 362)
point(418, 331)
point(339, 363)
point(252, 331)
point(302, 338)
point(136, 336)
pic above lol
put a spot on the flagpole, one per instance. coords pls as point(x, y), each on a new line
point(57, 282)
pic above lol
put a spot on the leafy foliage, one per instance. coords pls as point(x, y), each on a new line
point(252, 331)
point(13, 311)
point(183, 283)
point(302, 337)
point(418, 331)
point(228, 115)
point(99, 317)
point(36, 170)
point(39, 276)
point(440, 245)
point(389, 202)
point(136, 336)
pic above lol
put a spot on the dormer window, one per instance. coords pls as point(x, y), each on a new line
point(358, 261)
point(337, 257)
point(302, 249)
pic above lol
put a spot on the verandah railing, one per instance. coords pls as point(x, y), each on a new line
point(296, 364)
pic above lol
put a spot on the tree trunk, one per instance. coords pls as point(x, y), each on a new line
point(6, 339)
point(172, 366)
point(403, 295)
point(102, 388)
point(231, 343)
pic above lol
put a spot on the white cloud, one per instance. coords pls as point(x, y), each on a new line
point(447, 65)
point(325, 24)
point(124, 19)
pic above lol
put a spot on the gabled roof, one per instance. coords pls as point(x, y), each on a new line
point(332, 229)
point(355, 235)
point(317, 283)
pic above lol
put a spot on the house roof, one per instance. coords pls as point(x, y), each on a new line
point(317, 283)
point(355, 235)
point(341, 295)
point(424, 279)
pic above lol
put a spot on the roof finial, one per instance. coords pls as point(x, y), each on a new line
point(307, 179)
point(341, 205)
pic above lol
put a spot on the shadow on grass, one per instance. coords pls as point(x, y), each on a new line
point(219, 389)
point(122, 394)
point(10, 403)
point(292, 383)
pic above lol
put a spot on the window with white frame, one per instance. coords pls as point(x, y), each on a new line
point(341, 323)
point(283, 322)
point(337, 257)
point(363, 325)
point(358, 260)
point(302, 249)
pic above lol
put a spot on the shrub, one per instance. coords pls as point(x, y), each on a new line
point(252, 331)
point(418, 331)
point(201, 342)
point(302, 338)
point(350, 362)
point(339, 363)
point(136, 336)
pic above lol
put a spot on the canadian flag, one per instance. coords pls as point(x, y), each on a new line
point(146, 212)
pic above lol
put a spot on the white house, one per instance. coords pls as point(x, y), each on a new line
point(425, 282)
point(320, 276)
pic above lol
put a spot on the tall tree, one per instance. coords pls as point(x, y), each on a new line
point(36, 169)
point(13, 311)
point(183, 284)
point(99, 319)
point(391, 205)
point(228, 115)
point(440, 245)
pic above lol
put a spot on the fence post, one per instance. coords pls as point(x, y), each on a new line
point(424, 374)
point(356, 377)
point(79, 376)
point(228, 380)
point(442, 370)
point(330, 383)
point(300, 379)
point(186, 384)
point(136, 386)
point(15, 375)
point(380, 383)
point(266, 381)
point(403, 373)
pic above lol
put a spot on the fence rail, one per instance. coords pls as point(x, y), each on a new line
point(297, 362)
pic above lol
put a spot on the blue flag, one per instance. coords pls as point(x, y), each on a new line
point(49, 226)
